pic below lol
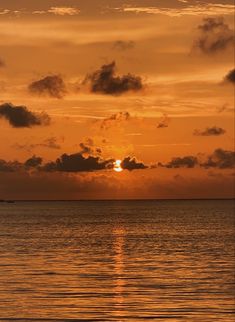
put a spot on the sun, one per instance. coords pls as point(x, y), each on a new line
point(117, 166)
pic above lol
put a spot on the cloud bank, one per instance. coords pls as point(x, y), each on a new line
point(220, 158)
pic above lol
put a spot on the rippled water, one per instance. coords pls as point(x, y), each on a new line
point(117, 261)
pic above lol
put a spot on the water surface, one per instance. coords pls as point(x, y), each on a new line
point(117, 261)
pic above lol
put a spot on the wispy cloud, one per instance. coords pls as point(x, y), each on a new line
point(197, 10)
point(210, 131)
point(62, 11)
point(4, 12)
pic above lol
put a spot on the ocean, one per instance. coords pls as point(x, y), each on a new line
point(117, 261)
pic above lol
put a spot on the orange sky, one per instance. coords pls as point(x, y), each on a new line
point(167, 96)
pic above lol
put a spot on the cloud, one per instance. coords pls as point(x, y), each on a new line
point(230, 77)
point(33, 162)
point(211, 9)
point(4, 12)
point(181, 162)
point(104, 81)
point(52, 86)
point(164, 122)
point(9, 166)
point(114, 119)
point(50, 143)
point(122, 45)
point(130, 164)
point(88, 147)
point(86, 161)
point(78, 163)
point(62, 11)
point(214, 36)
point(20, 116)
point(210, 131)
point(221, 159)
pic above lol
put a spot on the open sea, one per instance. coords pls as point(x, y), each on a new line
point(117, 261)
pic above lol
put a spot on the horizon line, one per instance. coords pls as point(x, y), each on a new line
point(130, 199)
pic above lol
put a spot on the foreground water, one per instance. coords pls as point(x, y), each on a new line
point(117, 261)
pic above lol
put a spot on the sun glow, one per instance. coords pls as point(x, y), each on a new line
point(117, 166)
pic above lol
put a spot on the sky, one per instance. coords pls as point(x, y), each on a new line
point(86, 83)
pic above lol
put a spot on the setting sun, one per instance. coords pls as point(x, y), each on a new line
point(117, 166)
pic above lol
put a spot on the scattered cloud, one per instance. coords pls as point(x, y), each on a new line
point(210, 9)
point(33, 162)
point(104, 81)
point(88, 147)
point(181, 162)
point(130, 163)
point(50, 143)
point(20, 116)
point(4, 12)
point(62, 11)
point(122, 45)
point(9, 166)
point(214, 35)
point(210, 131)
point(114, 119)
point(221, 159)
point(52, 86)
point(230, 77)
point(164, 122)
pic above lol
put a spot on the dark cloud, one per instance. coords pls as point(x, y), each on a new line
point(20, 116)
point(181, 162)
point(122, 45)
point(78, 163)
point(88, 147)
point(9, 166)
point(230, 77)
point(114, 119)
point(210, 131)
point(52, 86)
point(164, 122)
point(214, 36)
point(33, 162)
point(13, 166)
point(70, 163)
point(221, 159)
point(104, 81)
point(130, 164)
